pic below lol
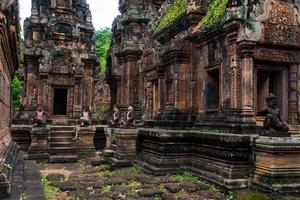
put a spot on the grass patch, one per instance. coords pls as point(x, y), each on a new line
point(185, 177)
point(105, 189)
point(251, 196)
point(132, 188)
point(49, 191)
point(135, 170)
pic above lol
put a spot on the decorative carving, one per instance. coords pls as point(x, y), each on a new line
point(85, 118)
point(274, 125)
point(39, 116)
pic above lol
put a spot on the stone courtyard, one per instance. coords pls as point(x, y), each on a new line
point(200, 100)
point(96, 179)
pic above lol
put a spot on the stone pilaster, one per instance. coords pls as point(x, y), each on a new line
point(293, 94)
point(85, 141)
point(39, 148)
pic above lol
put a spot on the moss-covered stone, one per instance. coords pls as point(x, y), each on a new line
point(171, 14)
point(216, 10)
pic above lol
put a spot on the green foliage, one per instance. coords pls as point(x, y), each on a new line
point(100, 112)
point(216, 11)
point(16, 92)
point(171, 14)
point(23, 196)
point(185, 177)
point(7, 166)
point(132, 188)
point(103, 40)
point(49, 191)
point(105, 189)
point(251, 196)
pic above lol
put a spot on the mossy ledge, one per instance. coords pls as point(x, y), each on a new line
point(216, 11)
point(171, 14)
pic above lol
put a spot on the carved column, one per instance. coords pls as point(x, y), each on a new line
point(293, 93)
point(247, 83)
point(119, 90)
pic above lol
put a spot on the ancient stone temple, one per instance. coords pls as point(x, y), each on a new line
point(9, 24)
point(61, 64)
point(205, 69)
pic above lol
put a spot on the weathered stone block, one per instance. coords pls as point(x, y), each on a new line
point(39, 148)
point(125, 147)
point(224, 159)
point(85, 141)
point(277, 164)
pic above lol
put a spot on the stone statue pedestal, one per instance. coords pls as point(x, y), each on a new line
point(109, 149)
point(39, 148)
point(85, 141)
point(125, 153)
point(277, 164)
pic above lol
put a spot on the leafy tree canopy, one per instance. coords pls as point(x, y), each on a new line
point(103, 39)
point(16, 92)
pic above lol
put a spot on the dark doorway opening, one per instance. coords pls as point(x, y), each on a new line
point(60, 101)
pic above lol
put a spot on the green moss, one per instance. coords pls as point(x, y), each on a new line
point(179, 178)
point(216, 11)
point(171, 14)
point(251, 196)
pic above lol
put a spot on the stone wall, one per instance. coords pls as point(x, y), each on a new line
point(223, 159)
point(189, 66)
point(8, 64)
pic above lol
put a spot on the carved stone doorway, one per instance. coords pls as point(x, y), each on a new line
point(60, 101)
point(275, 81)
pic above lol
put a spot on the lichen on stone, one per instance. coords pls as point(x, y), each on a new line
point(172, 13)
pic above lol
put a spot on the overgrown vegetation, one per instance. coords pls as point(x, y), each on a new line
point(49, 191)
point(16, 92)
point(216, 11)
point(103, 40)
point(185, 177)
point(100, 111)
point(172, 13)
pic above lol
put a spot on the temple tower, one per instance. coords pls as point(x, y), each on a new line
point(61, 67)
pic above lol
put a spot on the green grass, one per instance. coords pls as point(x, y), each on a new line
point(185, 177)
point(105, 189)
point(132, 187)
point(49, 191)
point(251, 196)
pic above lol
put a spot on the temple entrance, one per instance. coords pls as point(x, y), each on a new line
point(212, 90)
point(275, 82)
point(60, 101)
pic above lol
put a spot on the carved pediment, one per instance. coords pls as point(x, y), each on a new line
point(281, 22)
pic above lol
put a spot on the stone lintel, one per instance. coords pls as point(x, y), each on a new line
point(174, 56)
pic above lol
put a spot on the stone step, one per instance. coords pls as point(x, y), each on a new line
point(63, 158)
point(62, 133)
point(62, 139)
point(62, 128)
point(63, 150)
point(61, 144)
